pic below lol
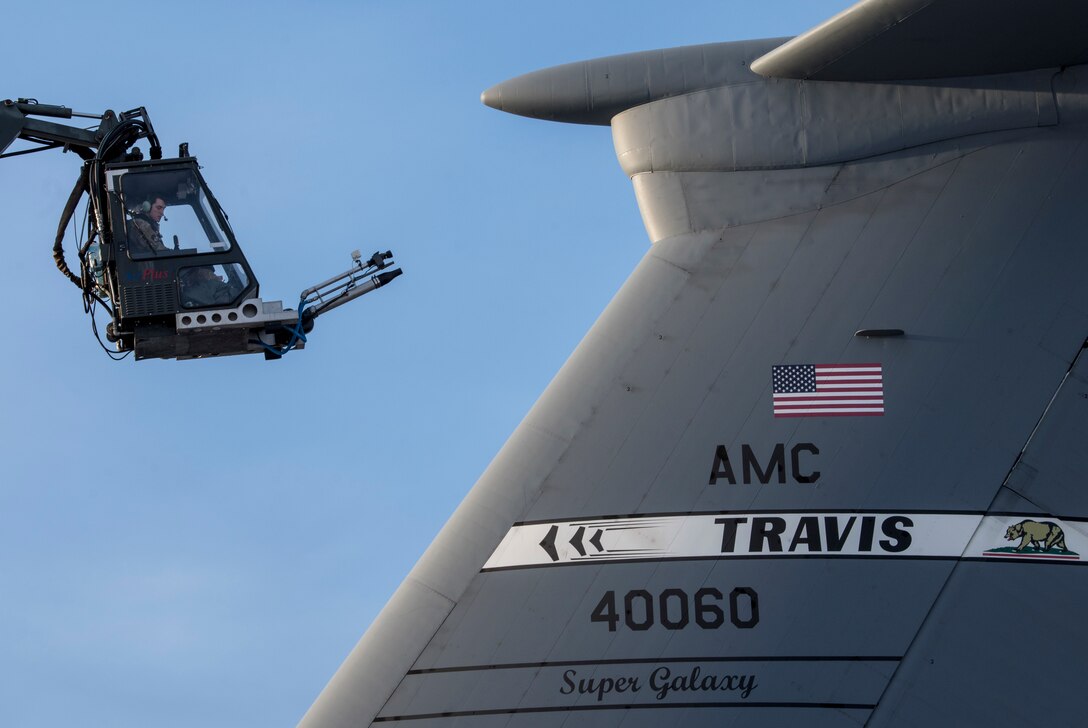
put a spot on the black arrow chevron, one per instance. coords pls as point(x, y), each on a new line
point(548, 544)
point(576, 542)
point(596, 540)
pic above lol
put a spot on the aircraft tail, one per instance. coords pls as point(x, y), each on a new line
point(805, 467)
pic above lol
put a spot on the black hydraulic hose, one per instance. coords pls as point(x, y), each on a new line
point(122, 136)
point(65, 218)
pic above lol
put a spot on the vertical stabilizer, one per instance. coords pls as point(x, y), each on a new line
point(817, 463)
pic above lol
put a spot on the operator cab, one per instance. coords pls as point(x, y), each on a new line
point(175, 253)
point(175, 250)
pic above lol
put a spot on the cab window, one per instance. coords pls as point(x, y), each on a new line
point(211, 285)
point(169, 213)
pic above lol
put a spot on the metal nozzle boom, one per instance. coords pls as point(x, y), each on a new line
point(360, 279)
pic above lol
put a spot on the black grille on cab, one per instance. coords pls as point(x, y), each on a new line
point(153, 299)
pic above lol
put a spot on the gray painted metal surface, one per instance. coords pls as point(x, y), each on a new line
point(658, 543)
point(592, 92)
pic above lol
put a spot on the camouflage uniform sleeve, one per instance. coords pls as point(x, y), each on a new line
point(143, 238)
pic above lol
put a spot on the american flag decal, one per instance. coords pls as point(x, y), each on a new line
point(828, 390)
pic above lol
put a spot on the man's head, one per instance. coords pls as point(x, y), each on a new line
point(158, 207)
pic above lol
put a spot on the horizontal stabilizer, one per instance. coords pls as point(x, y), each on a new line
point(894, 40)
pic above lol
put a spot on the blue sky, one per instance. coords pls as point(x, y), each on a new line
point(201, 543)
